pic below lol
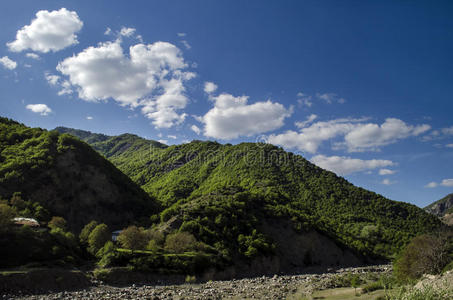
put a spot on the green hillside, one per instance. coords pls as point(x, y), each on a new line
point(67, 178)
point(232, 197)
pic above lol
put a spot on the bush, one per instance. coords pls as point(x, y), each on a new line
point(180, 242)
point(97, 238)
point(85, 233)
point(57, 222)
point(7, 213)
point(133, 238)
point(107, 254)
point(425, 254)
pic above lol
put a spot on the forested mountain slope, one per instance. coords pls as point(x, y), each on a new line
point(68, 178)
point(232, 197)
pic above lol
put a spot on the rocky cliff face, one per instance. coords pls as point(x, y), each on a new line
point(442, 206)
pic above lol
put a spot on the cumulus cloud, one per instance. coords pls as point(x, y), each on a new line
point(51, 78)
point(444, 182)
point(127, 31)
point(357, 135)
point(372, 136)
point(431, 185)
point(330, 98)
point(32, 55)
point(448, 130)
point(151, 77)
point(387, 181)
point(309, 120)
point(89, 118)
point(386, 172)
point(49, 31)
point(304, 100)
point(195, 129)
point(232, 117)
point(310, 138)
point(186, 44)
point(447, 182)
point(8, 63)
point(345, 165)
point(41, 109)
point(210, 87)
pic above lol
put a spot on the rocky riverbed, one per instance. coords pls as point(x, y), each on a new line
point(272, 287)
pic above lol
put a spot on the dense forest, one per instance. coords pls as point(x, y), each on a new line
point(222, 194)
point(187, 207)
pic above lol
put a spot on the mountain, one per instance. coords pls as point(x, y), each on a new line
point(442, 206)
point(255, 200)
point(68, 178)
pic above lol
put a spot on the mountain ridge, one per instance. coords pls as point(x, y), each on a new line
point(203, 184)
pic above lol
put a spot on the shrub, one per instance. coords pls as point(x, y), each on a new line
point(425, 254)
point(133, 238)
point(98, 237)
point(180, 242)
point(85, 233)
point(7, 213)
point(57, 222)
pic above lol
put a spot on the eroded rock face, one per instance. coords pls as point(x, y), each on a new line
point(440, 207)
point(297, 250)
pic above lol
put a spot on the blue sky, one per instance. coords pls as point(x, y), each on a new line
point(363, 88)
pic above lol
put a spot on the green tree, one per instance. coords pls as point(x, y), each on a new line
point(85, 233)
point(57, 222)
point(7, 214)
point(133, 238)
point(98, 237)
point(425, 254)
point(180, 242)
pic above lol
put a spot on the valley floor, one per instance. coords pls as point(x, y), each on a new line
point(275, 287)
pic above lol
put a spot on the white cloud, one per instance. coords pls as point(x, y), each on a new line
point(444, 182)
point(163, 141)
point(304, 100)
point(449, 145)
point(195, 129)
point(33, 55)
point(127, 31)
point(89, 118)
point(386, 172)
point(42, 109)
point(447, 182)
point(358, 136)
point(309, 120)
point(50, 31)
point(51, 78)
point(372, 136)
point(310, 138)
point(431, 185)
point(108, 31)
point(186, 44)
point(448, 131)
point(346, 165)
point(330, 98)
point(232, 117)
point(181, 34)
point(387, 181)
point(151, 77)
point(7, 63)
point(210, 87)
point(174, 137)
point(66, 88)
